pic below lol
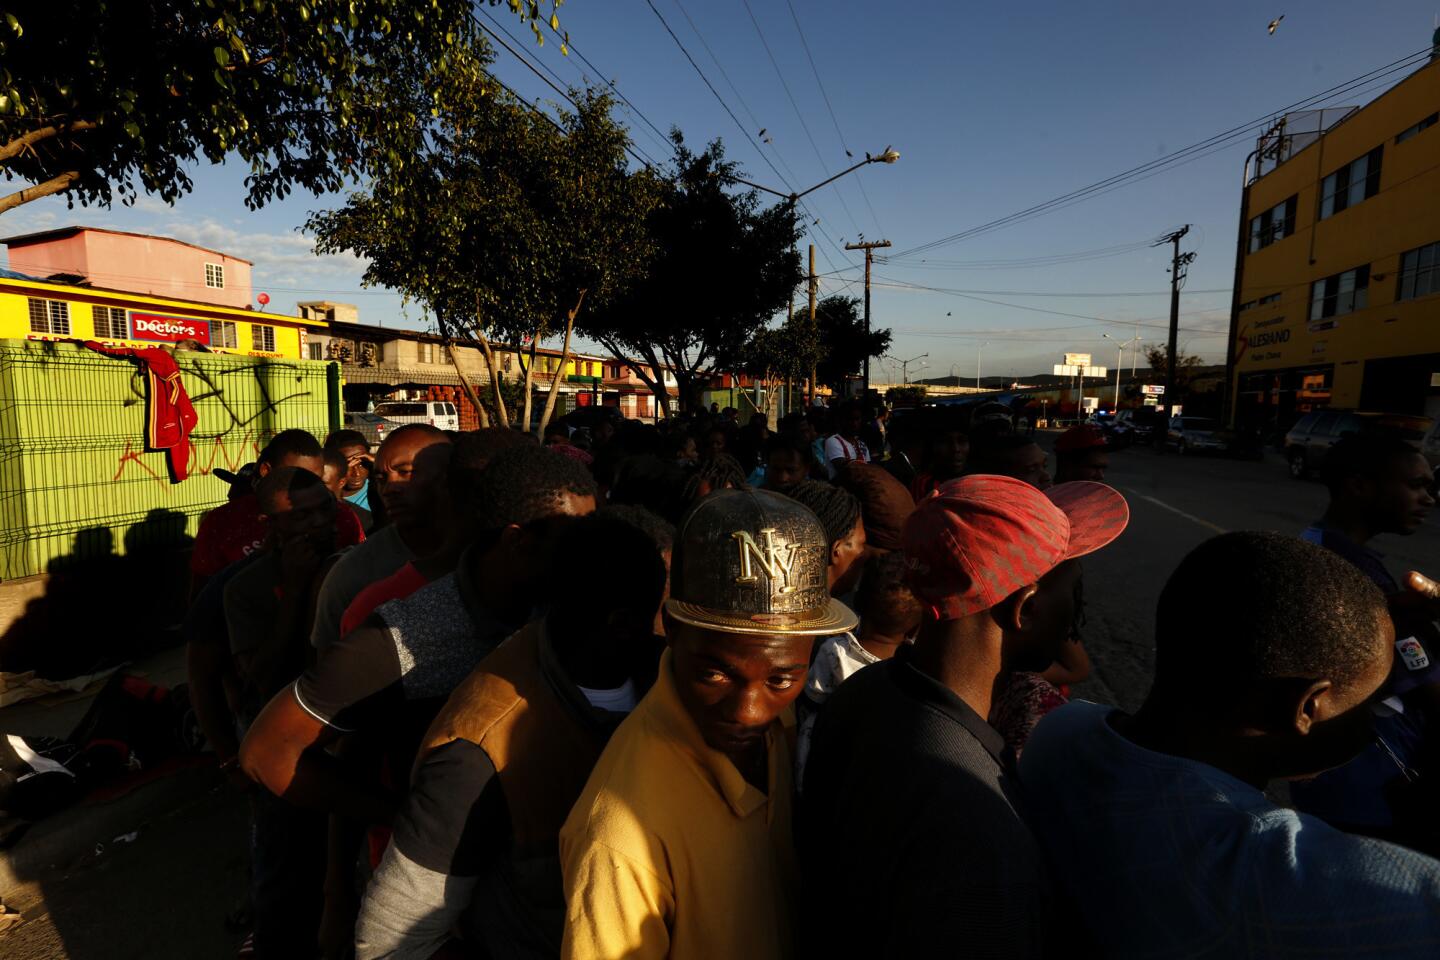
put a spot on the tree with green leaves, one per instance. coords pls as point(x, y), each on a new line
point(1186, 366)
point(722, 267)
point(511, 225)
point(844, 344)
point(104, 98)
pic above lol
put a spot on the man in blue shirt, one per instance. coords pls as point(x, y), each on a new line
point(1382, 485)
point(1270, 653)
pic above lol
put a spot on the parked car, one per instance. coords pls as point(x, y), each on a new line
point(1315, 433)
point(437, 413)
point(1140, 424)
point(374, 427)
point(1195, 434)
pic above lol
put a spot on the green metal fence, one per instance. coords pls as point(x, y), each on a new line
point(75, 479)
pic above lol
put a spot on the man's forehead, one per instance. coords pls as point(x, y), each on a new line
point(744, 648)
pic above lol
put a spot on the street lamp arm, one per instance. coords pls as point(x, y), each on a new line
point(760, 186)
point(888, 156)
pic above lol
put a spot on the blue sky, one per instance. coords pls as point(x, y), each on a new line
point(993, 108)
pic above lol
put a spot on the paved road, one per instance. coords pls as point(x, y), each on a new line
point(167, 893)
point(1176, 503)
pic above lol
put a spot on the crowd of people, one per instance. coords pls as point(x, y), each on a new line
point(709, 690)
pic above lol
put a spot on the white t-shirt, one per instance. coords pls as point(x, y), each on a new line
point(838, 658)
point(838, 448)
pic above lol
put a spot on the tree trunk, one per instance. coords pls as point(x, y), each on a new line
point(549, 410)
point(529, 370)
point(655, 384)
point(501, 413)
point(465, 384)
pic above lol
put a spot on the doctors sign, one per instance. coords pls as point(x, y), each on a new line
point(154, 326)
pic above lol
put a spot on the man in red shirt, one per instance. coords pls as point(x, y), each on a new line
point(236, 529)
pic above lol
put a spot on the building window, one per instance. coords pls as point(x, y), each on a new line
point(1425, 124)
point(1341, 294)
point(315, 350)
point(110, 322)
point(49, 316)
point(262, 338)
point(330, 314)
point(222, 334)
point(215, 276)
point(1277, 223)
point(1419, 272)
point(1356, 181)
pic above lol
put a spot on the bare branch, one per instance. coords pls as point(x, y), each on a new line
point(49, 187)
point(22, 143)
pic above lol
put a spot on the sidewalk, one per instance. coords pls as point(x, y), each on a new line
point(88, 828)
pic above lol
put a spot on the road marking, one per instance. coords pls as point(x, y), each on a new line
point(1176, 510)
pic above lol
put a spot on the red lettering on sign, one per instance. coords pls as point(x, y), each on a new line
point(153, 326)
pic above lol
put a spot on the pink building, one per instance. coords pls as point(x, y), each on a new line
point(133, 262)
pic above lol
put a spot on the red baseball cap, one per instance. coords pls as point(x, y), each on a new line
point(980, 538)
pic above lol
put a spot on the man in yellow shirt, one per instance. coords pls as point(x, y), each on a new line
point(680, 845)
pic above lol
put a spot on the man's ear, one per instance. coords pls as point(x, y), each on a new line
point(1015, 613)
point(1312, 706)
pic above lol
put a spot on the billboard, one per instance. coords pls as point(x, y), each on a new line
point(1077, 359)
point(154, 326)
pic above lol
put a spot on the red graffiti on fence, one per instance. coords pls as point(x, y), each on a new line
point(248, 449)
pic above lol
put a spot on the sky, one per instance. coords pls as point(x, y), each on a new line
point(994, 108)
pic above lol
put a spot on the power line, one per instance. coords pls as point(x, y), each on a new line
point(1144, 322)
point(663, 137)
point(1060, 293)
point(1001, 263)
point(798, 114)
point(630, 148)
point(1211, 144)
point(740, 126)
point(844, 145)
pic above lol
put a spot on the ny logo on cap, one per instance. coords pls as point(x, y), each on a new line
point(776, 559)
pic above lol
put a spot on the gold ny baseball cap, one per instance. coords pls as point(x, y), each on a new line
point(753, 561)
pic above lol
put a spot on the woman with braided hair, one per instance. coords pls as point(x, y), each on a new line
point(839, 514)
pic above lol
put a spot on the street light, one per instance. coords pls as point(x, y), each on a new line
point(1120, 362)
point(888, 155)
point(978, 351)
point(905, 366)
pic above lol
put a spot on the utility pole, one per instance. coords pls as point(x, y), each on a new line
point(813, 332)
point(1178, 262)
point(869, 256)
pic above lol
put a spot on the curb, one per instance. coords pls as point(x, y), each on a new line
point(86, 830)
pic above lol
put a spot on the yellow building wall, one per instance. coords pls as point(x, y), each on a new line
point(1405, 214)
point(15, 322)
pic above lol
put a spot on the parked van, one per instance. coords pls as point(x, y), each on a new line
point(437, 413)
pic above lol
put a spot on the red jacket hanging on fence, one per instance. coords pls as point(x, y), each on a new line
point(170, 415)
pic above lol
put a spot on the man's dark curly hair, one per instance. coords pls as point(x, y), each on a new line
point(1244, 607)
point(523, 484)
